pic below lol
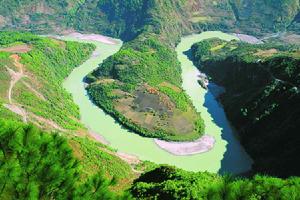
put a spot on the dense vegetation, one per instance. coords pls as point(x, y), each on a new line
point(47, 62)
point(171, 183)
point(33, 164)
point(261, 99)
point(39, 165)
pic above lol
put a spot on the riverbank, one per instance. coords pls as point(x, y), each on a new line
point(248, 38)
point(92, 37)
point(202, 145)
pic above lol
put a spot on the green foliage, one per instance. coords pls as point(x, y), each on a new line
point(171, 183)
point(50, 61)
point(38, 165)
point(181, 100)
point(146, 60)
point(101, 157)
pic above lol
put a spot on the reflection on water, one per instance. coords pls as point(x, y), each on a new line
point(235, 155)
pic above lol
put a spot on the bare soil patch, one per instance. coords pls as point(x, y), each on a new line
point(146, 102)
point(130, 159)
point(23, 48)
point(182, 124)
point(248, 38)
point(266, 53)
point(17, 110)
point(291, 39)
point(107, 81)
point(93, 37)
point(2, 20)
point(169, 85)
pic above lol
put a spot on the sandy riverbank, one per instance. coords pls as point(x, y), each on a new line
point(92, 37)
point(202, 145)
point(248, 38)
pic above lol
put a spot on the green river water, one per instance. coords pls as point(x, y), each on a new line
point(227, 154)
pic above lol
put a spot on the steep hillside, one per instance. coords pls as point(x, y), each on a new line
point(261, 100)
point(33, 69)
point(126, 19)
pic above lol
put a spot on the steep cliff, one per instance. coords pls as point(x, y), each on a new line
point(262, 98)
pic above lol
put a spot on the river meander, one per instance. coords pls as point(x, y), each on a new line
point(226, 156)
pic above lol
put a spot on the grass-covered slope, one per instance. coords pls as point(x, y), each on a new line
point(141, 84)
point(96, 157)
point(33, 69)
point(171, 183)
point(262, 98)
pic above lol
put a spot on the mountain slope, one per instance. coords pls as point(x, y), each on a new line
point(126, 19)
point(261, 100)
point(33, 69)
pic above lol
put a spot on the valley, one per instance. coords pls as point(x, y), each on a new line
point(216, 159)
point(196, 99)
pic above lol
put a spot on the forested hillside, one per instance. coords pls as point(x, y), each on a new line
point(39, 165)
point(262, 98)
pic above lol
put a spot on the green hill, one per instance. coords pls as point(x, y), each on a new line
point(42, 64)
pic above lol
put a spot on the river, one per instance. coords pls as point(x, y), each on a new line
point(226, 156)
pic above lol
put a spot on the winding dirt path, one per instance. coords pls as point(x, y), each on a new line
point(17, 108)
point(15, 77)
point(130, 159)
